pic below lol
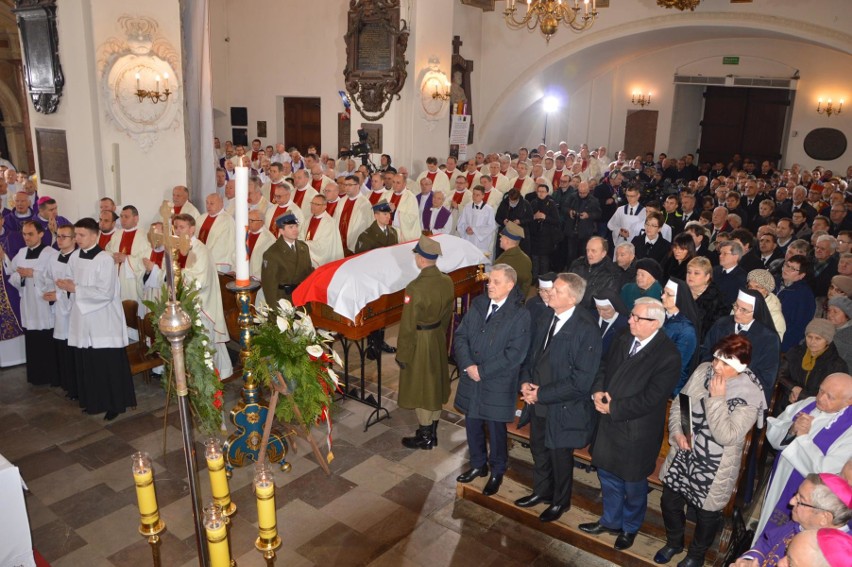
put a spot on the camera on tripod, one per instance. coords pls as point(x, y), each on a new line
point(360, 149)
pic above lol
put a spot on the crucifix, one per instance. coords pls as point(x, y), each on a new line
point(172, 243)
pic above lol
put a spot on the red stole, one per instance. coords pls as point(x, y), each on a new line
point(312, 227)
point(255, 154)
point(205, 228)
point(316, 184)
point(330, 207)
point(557, 175)
point(470, 177)
point(251, 240)
point(458, 197)
point(519, 182)
point(104, 239)
point(272, 188)
point(345, 216)
point(177, 209)
point(431, 175)
point(157, 257)
point(182, 260)
point(375, 196)
point(395, 202)
point(275, 214)
point(450, 174)
point(126, 244)
point(299, 196)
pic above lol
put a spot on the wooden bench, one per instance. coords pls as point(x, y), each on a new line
point(141, 362)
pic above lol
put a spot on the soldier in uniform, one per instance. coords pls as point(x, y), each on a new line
point(286, 263)
point(424, 378)
point(510, 240)
point(378, 235)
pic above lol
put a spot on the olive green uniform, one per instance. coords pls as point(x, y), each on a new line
point(283, 269)
point(424, 378)
point(516, 258)
point(373, 238)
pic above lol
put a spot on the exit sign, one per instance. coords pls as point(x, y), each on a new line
point(730, 60)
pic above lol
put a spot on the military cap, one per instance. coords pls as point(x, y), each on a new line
point(382, 207)
point(512, 231)
point(286, 219)
point(427, 248)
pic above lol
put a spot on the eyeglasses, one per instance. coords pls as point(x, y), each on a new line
point(636, 317)
point(790, 267)
point(651, 225)
point(799, 502)
point(63, 236)
point(255, 220)
point(739, 309)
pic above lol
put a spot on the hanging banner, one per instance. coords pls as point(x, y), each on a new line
point(458, 135)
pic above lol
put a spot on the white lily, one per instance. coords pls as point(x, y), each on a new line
point(326, 335)
point(283, 324)
point(336, 358)
point(333, 376)
point(285, 306)
point(307, 326)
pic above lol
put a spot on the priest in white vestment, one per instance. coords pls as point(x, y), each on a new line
point(321, 235)
point(406, 215)
point(282, 203)
point(353, 214)
point(498, 180)
point(217, 230)
point(128, 247)
point(458, 199)
point(440, 181)
point(181, 203)
point(492, 196)
point(477, 224)
point(197, 267)
point(258, 239)
point(813, 435)
point(304, 192)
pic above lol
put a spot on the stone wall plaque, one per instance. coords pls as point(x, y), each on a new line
point(52, 151)
point(40, 40)
point(825, 144)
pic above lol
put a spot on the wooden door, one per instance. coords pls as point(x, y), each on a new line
point(640, 132)
point(747, 121)
point(302, 122)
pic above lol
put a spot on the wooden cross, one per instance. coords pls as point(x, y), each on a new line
point(172, 244)
point(457, 43)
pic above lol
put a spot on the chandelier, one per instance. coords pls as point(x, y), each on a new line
point(548, 14)
point(679, 4)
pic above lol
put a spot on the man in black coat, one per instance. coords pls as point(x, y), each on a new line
point(630, 393)
point(728, 275)
point(580, 215)
point(596, 269)
point(490, 343)
point(556, 384)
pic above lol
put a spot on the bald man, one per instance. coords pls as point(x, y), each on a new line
point(181, 203)
point(353, 214)
point(217, 231)
point(282, 203)
point(304, 192)
point(813, 435)
point(128, 247)
point(321, 235)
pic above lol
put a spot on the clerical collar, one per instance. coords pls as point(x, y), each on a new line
point(318, 217)
point(90, 253)
point(108, 233)
point(351, 198)
point(336, 200)
point(22, 216)
point(400, 193)
point(255, 231)
point(36, 247)
point(211, 215)
point(305, 188)
point(41, 218)
point(728, 270)
point(130, 229)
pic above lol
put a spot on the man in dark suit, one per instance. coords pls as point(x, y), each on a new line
point(556, 384)
point(490, 344)
point(630, 393)
point(728, 275)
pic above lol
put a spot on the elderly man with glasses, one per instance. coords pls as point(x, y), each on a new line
point(630, 394)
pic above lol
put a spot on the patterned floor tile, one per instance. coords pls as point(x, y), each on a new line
point(55, 539)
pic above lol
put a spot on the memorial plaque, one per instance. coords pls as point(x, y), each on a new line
point(375, 49)
point(52, 151)
point(40, 45)
point(261, 128)
point(825, 144)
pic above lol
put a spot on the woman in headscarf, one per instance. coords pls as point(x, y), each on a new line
point(726, 399)
point(681, 326)
point(763, 282)
point(682, 251)
point(612, 316)
point(705, 292)
point(806, 365)
point(840, 286)
point(647, 284)
point(840, 314)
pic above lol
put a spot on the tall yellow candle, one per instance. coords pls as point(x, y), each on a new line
point(215, 525)
point(264, 490)
point(143, 476)
point(218, 477)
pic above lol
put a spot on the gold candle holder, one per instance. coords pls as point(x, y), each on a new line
point(216, 527)
point(264, 489)
point(218, 476)
point(150, 524)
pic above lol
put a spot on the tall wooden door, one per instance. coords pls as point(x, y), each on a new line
point(302, 122)
point(745, 121)
point(640, 132)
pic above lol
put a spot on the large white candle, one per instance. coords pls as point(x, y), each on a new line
point(241, 218)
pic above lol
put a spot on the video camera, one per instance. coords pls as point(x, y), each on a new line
point(360, 149)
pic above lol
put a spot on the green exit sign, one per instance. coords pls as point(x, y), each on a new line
point(730, 60)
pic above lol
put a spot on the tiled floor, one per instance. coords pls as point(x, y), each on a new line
point(383, 505)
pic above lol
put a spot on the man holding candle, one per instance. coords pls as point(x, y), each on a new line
point(198, 267)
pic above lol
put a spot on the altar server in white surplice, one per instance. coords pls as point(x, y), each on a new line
point(60, 269)
point(128, 247)
point(321, 235)
point(477, 225)
point(217, 230)
point(406, 213)
point(29, 273)
point(97, 330)
point(353, 214)
point(813, 435)
point(197, 266)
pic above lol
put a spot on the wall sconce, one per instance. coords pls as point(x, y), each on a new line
point(441, 94)
point(828, 109)
point(640, 100)
point(154, 96)
point(435, 91)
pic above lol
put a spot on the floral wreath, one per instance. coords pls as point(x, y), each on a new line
point(285, 341)
point(202, 377)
